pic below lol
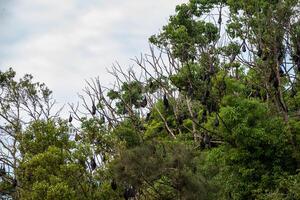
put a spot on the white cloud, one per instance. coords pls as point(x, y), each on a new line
point(62, 43)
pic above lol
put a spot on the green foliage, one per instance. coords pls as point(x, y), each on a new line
point(127, 133)
point(129, 96)
point(219, 126)
point(161, 170)
point(185, 34)
point(40, 135)
point(50, 168)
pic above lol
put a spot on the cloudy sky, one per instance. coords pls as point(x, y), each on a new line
point(65, 42)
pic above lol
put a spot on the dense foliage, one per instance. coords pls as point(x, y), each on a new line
point(213, 114)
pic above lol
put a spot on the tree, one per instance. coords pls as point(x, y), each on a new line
point(21, 102)
point(211, 113)
point(234, 101)
point(53, 167)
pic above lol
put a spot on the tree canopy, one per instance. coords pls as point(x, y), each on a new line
point(212, 112)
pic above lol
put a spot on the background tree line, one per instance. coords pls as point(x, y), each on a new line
point(212, 112)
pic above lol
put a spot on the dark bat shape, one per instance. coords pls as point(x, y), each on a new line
point(2, 171)
point(144, 102)
point(148, 116)
point(244, 49)
point(259, 52)
point(281, 71)
point(94, 109)
point(129, 192)
point(181, 117)
point(212, 69)
point(204, 116)
point(113, 185)
point(14, 183)
point(166, 102)
point(93, 164)
point(77, 137)
point(206, 140)
point(70, 118)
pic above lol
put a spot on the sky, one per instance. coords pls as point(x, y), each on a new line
point(65, 42)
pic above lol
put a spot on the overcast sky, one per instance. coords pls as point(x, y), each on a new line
point(65, 42)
